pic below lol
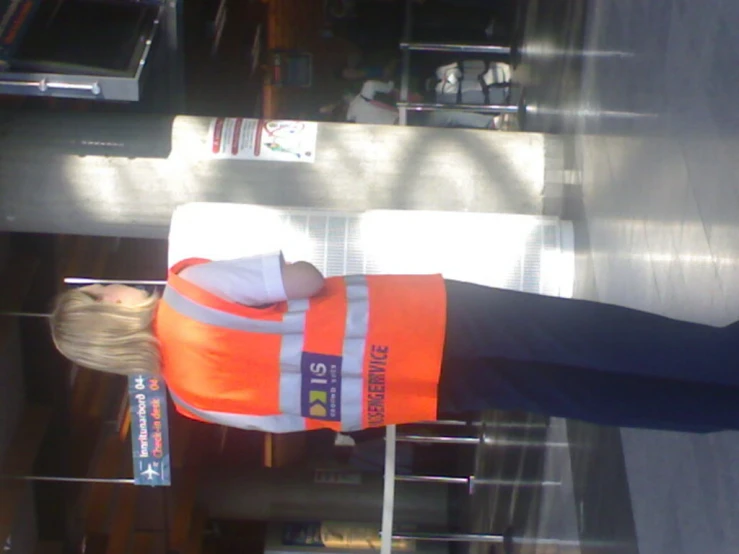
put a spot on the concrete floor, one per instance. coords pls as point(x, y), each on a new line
point(647, 88)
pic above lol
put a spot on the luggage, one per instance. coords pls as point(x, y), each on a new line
point(473, 82)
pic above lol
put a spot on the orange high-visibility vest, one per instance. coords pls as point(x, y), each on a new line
point(364, 352)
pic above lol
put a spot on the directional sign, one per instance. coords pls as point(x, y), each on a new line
point(149, 431)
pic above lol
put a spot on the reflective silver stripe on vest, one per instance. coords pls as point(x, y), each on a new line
point(283, 423)
point(290, 323)
point(352, 374)
point(292, 330)
point(355, 342)
point(291, 352)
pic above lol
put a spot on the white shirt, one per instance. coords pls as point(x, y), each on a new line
point(252, 281)
point(365, 109)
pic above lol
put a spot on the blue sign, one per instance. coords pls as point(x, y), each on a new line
point(321, 386)
point(149, 431)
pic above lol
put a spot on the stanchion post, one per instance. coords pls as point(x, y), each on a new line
point(408, 46)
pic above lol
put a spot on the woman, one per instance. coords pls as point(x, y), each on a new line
point(258, 343)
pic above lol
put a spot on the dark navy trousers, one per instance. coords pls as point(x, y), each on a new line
point(585, 360)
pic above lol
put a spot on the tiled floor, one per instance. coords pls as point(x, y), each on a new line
point(656, 127)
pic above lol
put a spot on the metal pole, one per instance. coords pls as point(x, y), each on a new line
point(453, 423)
point(513, 483)
point(93, 281)
point(45, 478)
point(450, 537)
point(88, 281)
point(486, 538)
point(433, 479)
point(405, 64)
point(497, 425)
point(388, 492)
point(408, 46)
point(523, 452)
point(480, 108)
point(515, 425)
point(474, 481)
point(524, 443)
point(422, 439)
point(175, 39)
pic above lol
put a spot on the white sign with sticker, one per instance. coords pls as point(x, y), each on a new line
point(257, 139)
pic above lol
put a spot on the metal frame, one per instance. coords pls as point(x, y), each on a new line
point(507, 539)
point(456, 47)
point(52, 479)
point(405, 64)
point(473, 482)
point(482, 108)
point(174, 34)
point(424, 439)
point(167, 28)
point(407, 46)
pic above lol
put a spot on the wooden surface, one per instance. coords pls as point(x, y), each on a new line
point(297, 25)
point(19, 461)
point(15, 282)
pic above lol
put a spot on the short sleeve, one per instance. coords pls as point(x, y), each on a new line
point(253, 281)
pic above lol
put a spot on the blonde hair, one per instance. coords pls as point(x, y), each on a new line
point(108, 337)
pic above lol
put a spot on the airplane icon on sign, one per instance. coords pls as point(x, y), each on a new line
point(150, 473)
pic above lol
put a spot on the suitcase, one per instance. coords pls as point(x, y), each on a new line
point(473, 82)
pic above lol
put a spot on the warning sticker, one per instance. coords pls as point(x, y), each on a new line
point(257, 139)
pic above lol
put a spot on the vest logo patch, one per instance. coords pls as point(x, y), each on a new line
point(320, 386)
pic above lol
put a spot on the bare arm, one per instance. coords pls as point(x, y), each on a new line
point(301, 280)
